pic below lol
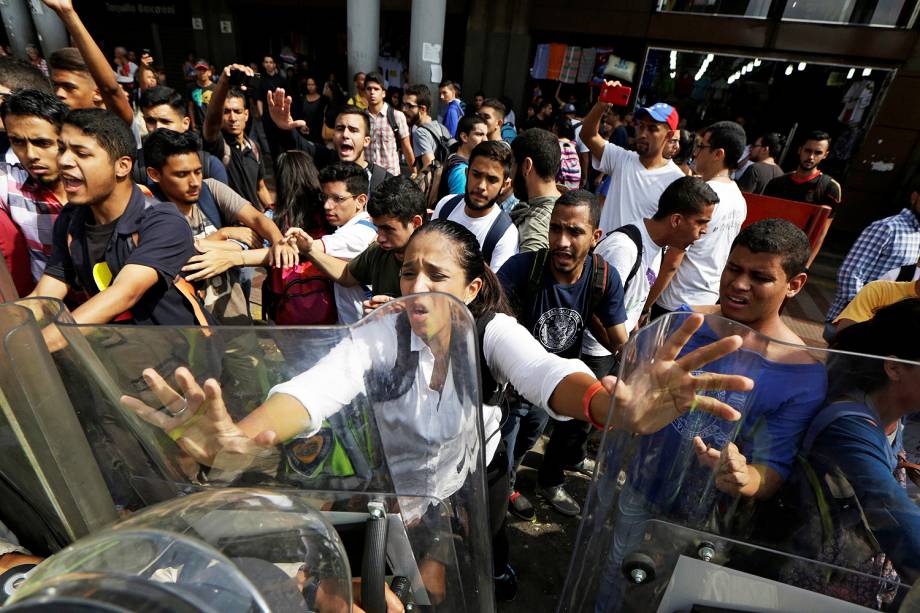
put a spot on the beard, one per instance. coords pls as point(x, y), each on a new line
point(519, 185)
point(480, 207)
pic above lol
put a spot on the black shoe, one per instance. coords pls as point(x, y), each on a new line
point(520, 507)
point(506, 585)
point(560, 500)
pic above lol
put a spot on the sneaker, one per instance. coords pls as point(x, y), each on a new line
point(560, 500)
point(506, 585)
point(520, 507)
point(585, 467)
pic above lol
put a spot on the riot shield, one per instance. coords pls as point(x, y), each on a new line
point(677, 521)
point(380, 421)
point(225, 550)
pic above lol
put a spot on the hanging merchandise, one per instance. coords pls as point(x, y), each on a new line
point(586, 65)
point(556, 57)
point(846, 142)
point(601, 56)
point(620, 69)
point(855, 102)
point(570, 65)
point(540, 62)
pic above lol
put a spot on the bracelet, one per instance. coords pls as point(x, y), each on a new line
point(593, 389)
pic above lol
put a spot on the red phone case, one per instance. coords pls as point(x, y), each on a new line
point(618, 95)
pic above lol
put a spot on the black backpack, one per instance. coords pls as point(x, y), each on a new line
point(496, 231)
point(636, 237)
point(597, 289)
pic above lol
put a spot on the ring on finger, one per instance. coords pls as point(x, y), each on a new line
point(180, 411)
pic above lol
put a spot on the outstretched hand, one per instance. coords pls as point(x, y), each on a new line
point(279, 109)
point(197, 419)
point(666, 388)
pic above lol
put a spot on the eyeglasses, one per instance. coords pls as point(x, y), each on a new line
point(699, 147)
point(409, 105)
point(339, 199)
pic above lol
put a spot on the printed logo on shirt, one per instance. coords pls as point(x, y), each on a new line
point(715, 431)
point(650, 276)
point(557, 329)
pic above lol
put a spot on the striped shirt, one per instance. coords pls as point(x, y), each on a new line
point(569, 173)
point(32, 207)
point(384, 150)
point(886, 244)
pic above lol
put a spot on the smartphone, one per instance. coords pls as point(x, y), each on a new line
point(238, 78)
point(615, 94)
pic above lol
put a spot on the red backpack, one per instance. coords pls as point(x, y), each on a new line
point(300, 296)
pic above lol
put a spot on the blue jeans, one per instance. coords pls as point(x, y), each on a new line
point(521, 430)
point(632, 513)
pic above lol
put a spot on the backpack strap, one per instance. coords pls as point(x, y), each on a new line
point(495, 234)
point(378, 176)
point(391, 119)
point(831, 413)
point(535, 278)
point(209, 207)
point(598, 283)
point(441, 152)
point(488, 384)
point(906, 273)
point(368, 223)
point(205, 158)
point(636, 237)
point(450, 206)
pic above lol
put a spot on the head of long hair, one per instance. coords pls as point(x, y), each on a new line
point(464, 246)
point(299, 200)
point(894, 331)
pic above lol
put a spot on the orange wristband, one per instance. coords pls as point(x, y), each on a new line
point(593, 389)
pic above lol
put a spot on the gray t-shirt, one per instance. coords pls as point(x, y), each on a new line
point(423, 140)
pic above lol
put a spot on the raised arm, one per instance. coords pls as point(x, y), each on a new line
point(332, 267)
point(114, 97)
point(590, 130)
point(213, 120)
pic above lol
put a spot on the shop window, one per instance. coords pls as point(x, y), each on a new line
point(737, 8)
point(881, 13)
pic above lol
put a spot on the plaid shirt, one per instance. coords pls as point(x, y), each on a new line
point(32, 207)
point(886, 244)
point(384, 149)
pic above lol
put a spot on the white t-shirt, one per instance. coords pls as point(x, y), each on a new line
point(696, 281)
point(511, 354)
point(579, 145)
point(620, 252)
point(346, 243)
point(634, 189)
point(506, 246)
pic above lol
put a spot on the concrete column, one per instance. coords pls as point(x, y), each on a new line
point(52, 35)
point(18, 23)
point(427, 30)
point(363, 36)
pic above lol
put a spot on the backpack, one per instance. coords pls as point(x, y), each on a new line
point(301, 295)
point(429, 180)
point(496, 231)
point(509, 133)
point(817, 515)
point(569, 174)
point(596, 290)
point(635, 236)
point(454, 160)
point(907, 272)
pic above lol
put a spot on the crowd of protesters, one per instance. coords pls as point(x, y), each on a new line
point(142, 202)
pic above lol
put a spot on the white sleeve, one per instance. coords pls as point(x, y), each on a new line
point(612, 157)
point(516, 357)
point(891, 275)
point(620, 252)
point(349, 242)
point(334, 381)
point(580, 146)
point(506, 247)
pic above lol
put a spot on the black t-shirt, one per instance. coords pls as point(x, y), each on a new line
point(244, 167)
point(756, 177)
point(558, 315)
point(164, 243)
point(269, 83)
point(201, 97)
point(820, 189)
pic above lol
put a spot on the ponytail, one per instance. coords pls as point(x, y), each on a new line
point(491, 297)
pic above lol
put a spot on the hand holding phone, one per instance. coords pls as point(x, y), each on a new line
point(614, 93)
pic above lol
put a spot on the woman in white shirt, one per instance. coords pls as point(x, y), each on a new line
point(443, 256)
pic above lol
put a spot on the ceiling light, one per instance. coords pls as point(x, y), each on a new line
point(802, 66)
point(788, 70)
point(851, 73)
point(866, 72)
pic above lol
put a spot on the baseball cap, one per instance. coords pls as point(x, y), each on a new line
point(567, 108)
point(660, 112)
point(202, 63)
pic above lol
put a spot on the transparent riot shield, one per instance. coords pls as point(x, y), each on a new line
point(228, 550)
point(801, 505)
point(381, 422)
